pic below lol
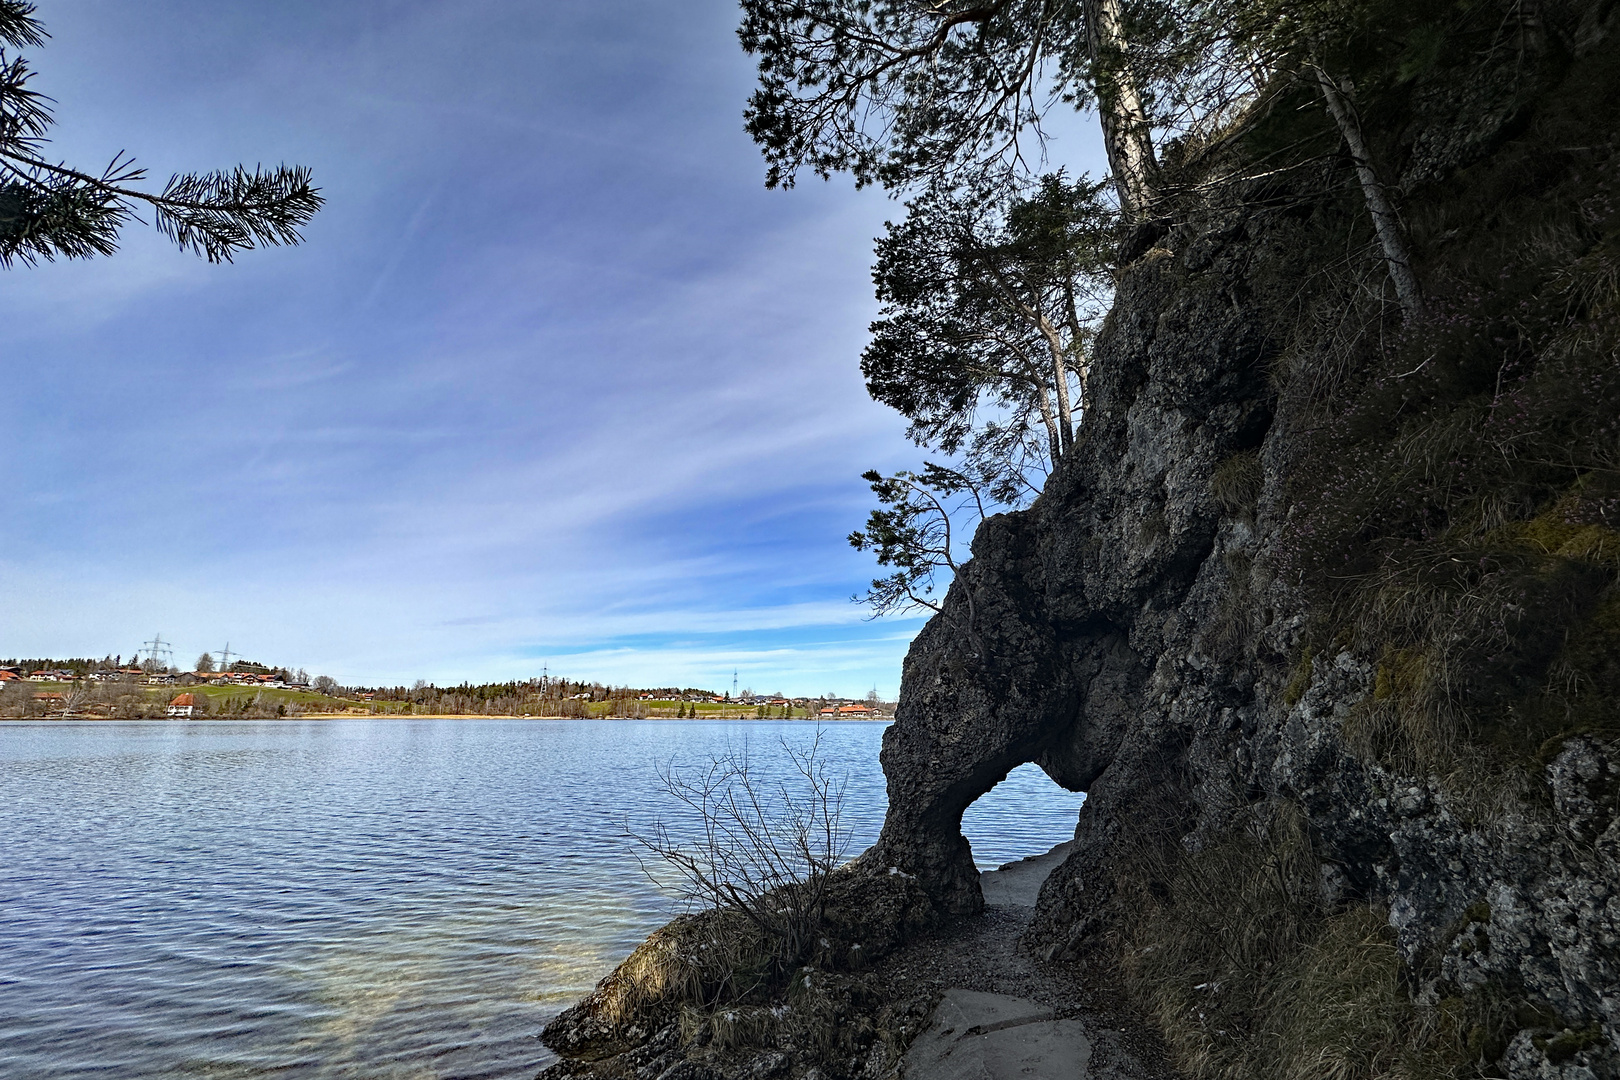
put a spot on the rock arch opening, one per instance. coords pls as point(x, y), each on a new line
point(1025, 814)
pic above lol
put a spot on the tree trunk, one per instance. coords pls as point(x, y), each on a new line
point(1077, 337)
point(1053, 439)
point(1386, 223)
point(1060, 373)
point(1532, 32)
point(1126, 133)
point(1060, 381)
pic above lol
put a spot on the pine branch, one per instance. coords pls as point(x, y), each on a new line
point(47, 219)
point(214, 214)
point(18, 27)
point(24, 114)
point(217, 213)
point(50, 210)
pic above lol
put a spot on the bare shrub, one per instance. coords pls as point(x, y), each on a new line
point(14, 700)
point(754, 866)
point(76, 698)
point(762, 850)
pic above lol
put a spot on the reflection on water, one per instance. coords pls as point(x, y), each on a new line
point(366, 898)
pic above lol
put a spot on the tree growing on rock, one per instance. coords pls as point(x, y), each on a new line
point(921, 528)
point(1212, 67)
point(955, 94)
point(990, 304)
point(906, 93)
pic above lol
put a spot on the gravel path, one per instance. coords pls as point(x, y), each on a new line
point(981, 957)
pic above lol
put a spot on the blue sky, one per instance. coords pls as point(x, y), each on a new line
point(553, 380)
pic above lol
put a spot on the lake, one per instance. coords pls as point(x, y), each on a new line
point(359, 898)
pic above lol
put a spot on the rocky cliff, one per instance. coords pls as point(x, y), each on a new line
point(1322, 611)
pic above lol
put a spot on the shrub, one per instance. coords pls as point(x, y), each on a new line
point(760, 850)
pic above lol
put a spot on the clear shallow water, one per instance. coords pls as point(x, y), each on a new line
point(366, 898)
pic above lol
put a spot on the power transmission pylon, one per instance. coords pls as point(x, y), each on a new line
point(225, 655)
point(156, 648)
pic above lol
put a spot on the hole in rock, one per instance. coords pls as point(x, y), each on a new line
point(1026, 814)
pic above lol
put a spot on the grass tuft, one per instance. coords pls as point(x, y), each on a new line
point(1236, 482)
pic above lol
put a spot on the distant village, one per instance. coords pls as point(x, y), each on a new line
point(273, 680)
point(112, 688)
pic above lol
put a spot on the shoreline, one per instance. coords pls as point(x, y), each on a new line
point(934, 995)
point(429, 716)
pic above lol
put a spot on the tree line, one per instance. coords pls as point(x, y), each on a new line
point(534, 697)
point(556, 696)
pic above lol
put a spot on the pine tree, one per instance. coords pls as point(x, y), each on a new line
point(990, 301)
point(52, 210)
point(909, 94)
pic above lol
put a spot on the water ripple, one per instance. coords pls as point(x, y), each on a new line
point(367, 898)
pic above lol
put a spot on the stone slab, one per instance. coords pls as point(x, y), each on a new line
point(978, 1036)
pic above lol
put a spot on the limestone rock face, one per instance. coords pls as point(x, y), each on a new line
point(1128, 634)
point(1148, 632)
point(1085, 651)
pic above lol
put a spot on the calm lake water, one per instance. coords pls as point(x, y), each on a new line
point(357, 898)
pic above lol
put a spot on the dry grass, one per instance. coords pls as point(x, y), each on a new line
point(1492, 645)
point(1251, 975)
point(1231, 629)
point(1236, 482)
point(1340, 1002)
point(731, 1027)
point(1457, 515)
point(697, 960)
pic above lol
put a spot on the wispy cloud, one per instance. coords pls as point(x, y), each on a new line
point(553, 375)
